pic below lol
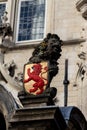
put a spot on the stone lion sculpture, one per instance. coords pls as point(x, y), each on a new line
point(48, 50)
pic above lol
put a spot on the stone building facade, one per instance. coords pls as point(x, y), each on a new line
point(65, 18)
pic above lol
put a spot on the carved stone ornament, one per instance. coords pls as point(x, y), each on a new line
point(11, 66)
point(5, 28)
point(81, 6)
point(42, 65)
point(36, 77)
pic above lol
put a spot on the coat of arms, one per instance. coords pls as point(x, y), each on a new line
point(35, 77)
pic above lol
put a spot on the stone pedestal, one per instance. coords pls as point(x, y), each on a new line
point(35, 101)
point(38, 118)
point(39, 113)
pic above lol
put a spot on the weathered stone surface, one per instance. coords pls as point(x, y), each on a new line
point(48, 117)
point(39, 100)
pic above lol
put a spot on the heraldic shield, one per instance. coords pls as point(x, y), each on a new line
point(35, 77)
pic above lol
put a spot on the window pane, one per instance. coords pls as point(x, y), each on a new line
point(2, 9)
point(31, 20)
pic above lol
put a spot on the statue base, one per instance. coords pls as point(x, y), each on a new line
point(39, 113)
point(38, 118)
point(45, 99)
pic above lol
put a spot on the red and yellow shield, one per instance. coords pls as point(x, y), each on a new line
point(35, 77)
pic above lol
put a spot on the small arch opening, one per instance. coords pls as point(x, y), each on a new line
point(2, 122)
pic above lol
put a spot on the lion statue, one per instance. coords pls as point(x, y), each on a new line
point(48, 50)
